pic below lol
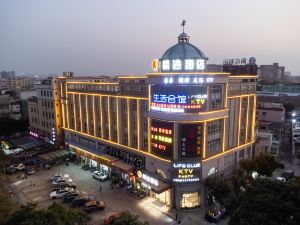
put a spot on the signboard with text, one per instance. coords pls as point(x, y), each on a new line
point(186, 172)
point(190, 141)
point(162, 138)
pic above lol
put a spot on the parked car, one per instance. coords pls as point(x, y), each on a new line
point(10, 170)
point(100, 176)
point(81, 200)
point(64, 184)
point(61, 180)
point(112, 218)
point(287, 174)
point(93, 205)
point(33, 162)
point(73, 194)
point(58, 175)
point(280, 179)
point(60, 193)
point(30, 171)
point(19, 167)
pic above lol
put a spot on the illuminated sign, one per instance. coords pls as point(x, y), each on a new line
point(190, 140)
point(155, 64)
point(147, 178)
point(186, 172)
point(178, 98)
point(162, 138)
point(188, 80)
point(187, 64)
point(242, 61)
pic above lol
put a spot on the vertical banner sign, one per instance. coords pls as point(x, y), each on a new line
point(190, 140)
point(162, 138)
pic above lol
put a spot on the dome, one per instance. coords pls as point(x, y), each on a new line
point(183, 51)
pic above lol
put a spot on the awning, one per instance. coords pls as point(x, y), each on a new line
point(123, 166)
point(160, 188)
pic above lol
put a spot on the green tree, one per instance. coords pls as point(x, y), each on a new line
point(129, 219)
point(55, 214)
point(267, 202)
point(6, 205)
point(218, 187)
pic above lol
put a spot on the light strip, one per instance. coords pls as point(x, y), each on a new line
point(194, 121)
point(94, 83)
point(126, 97)
point(204, 139)
point(109, 119)
point(80, 112)
point(118, 123)
point(247, 118)
point(240, 96)
point(138, 123)
point(114, 143)
point(239, 125)
point(187, 73)
point(226, 95)
point(94, 116)
point(244, 76)
point(75, 124)
point(224, 130)
point(87, 113)
point(67, 104)
point(63, 112)
point(228, 151)
point(254, 118)
point(128, 123)
point(101, 116)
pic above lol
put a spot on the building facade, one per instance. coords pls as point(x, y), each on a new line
point(166, 132)
point(44, 112)
point(271, 73)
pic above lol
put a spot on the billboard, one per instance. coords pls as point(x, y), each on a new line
point(179, 98)
point(190, 141)
point(162, 138)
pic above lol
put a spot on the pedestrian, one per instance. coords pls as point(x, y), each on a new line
point(100, 189)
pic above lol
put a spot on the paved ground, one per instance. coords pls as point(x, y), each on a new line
point(37, 188)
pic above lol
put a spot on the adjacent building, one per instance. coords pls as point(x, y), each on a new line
point(163, 133)
point(271, 73)
point(44, 112)
point(10, 106)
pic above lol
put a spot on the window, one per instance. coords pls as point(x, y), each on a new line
point(214, 136)
point(242, 153)
point(214, 127)
point(213, 146)
point(216, 96)
point(190, 200)
point(228, 159)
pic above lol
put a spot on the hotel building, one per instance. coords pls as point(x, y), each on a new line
point(165, 132)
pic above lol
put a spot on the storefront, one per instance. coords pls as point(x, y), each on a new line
point(122, 173)
point(186, 181)
point(154, 187)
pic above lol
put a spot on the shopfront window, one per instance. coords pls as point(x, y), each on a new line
point(190, 200)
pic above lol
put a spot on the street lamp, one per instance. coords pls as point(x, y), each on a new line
point(293, 120)
point(293, 114)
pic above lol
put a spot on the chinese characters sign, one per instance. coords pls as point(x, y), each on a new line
point(190, 140)
point(162, 138)
point(178, 98)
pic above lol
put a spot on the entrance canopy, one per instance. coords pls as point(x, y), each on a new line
point(157, 187)
point(123, 166)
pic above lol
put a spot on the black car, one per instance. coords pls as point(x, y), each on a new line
point(93, 205)
point(80, 201)
point(71, 195)
point(64, 184)
point(288, 174)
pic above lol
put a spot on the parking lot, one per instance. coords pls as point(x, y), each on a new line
point(36, 188)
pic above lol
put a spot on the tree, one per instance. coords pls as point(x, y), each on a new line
point(6, 205)
point(129, 219)
point(55, 214)
point(264, 165)
point(289, 107)
point(218, 187)
point(267, 202)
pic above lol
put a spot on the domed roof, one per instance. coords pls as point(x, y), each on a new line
point(183, 50)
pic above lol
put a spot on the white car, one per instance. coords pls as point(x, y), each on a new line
point(99, 176)
point(60, 193)
point(62, 180)
point(58, 175)
point(281, 179)
point(19, 167)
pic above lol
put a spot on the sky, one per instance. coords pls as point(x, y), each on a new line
point(122, 37)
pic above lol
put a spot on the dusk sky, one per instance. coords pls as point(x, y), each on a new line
point(94, 37)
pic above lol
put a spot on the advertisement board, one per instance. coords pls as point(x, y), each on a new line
point(190, 141)
point(186, 172)
point(162, 138)
point(179, 98)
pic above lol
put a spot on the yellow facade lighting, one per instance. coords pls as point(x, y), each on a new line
point(75, 124)
point(247, 117)
point(128, 123)
point(93, 83)
point(226, 94)
point(94, 116)
point(253, 118)
point(109, 118)
point(228, 151)
point(116, 144)
point(244, 76)
point(106, 95)
point(239, 125)
point(138, 112)
point(240, 96)
point(118, 122)
point(87, 113)
point(132, 77)
point(187, 73)
point(224, 130)
point(97, 156)
point(101, 116)
point(204, 139)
